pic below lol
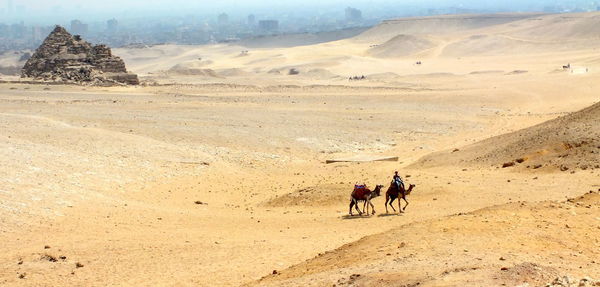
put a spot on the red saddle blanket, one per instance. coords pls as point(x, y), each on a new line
point(360, 191)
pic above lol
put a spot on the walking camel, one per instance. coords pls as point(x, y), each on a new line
point(362, 193)
point(394, 192)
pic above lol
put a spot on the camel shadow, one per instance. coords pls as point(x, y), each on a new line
point(350, 217)
point(390, 214)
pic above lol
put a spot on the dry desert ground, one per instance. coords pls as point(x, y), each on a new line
point(213, 172)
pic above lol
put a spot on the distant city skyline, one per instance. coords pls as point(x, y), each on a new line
point(55, 11)
point(23, 26)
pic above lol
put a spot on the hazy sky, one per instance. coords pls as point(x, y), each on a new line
point(41, 11)
point(238, 4)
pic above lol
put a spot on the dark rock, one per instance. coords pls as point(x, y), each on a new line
point(63, 57)
point(508, 164)
point(49, 258)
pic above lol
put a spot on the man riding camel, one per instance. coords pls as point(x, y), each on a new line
point(398, 181)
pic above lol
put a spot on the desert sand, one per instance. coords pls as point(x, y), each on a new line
point(213, 173)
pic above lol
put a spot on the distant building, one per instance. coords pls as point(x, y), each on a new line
point(268, 25)
point(223, 19)
point(251, 20)
point(18, 31)
point(4, 30)
point(9, 7)
point(78, 28)
point(37, 34)
point(353, 15)
point(112, 26)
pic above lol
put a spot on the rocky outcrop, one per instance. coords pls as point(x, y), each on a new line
point(63, 57)
point(567, 281)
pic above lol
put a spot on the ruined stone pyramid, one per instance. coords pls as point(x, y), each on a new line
point(63, 57)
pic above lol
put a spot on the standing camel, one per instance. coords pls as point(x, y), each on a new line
point(364, 194)
point(395, 192)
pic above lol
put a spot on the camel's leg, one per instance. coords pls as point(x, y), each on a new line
point(365, 205)
point(355, 203)
point(372, 206)
point(406, 202)
point(400, 205)
point(387, 198)
point(391, 205)
point(358, 209)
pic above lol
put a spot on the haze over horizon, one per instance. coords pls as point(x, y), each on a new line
point(58, 11)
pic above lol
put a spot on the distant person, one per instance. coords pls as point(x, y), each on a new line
point(398, 181)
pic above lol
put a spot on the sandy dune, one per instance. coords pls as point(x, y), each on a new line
point(304, 39)
point(568, 142)
point(438, 25)
point(400, 46)
point(213, 172)
point(504, 245)
point(456, 45)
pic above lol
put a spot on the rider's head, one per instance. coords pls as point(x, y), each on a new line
point(396, 172)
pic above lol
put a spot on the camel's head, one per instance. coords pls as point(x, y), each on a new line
point(410, 188)
point(378, 189)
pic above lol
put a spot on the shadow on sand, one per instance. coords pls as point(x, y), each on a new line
point(389, 214)
point(347, 216)
point(356, 216)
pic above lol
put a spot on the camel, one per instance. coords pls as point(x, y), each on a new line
point(364, 194)
point(393, 193)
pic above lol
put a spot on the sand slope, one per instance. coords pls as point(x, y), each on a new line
point(438, 25)
point(303, 39)
point(572, 141)
point(469, 35)
point(390, 47)
point(508, 245)
point(401, 46)
point(558, 27)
